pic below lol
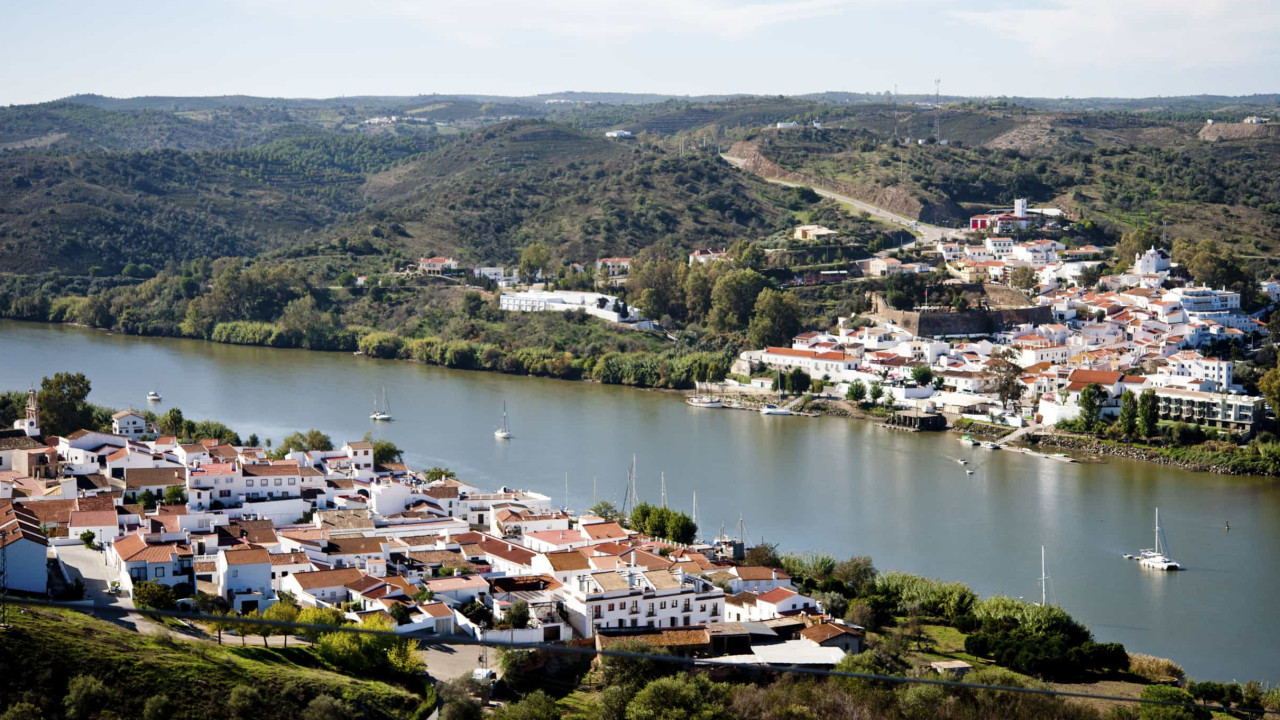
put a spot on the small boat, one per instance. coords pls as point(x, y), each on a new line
point(990, 445)
point(771, 409)
point(968, 471)
point(503, 432)
point(704, 401)
point(962, 461)
point(968, 440)
point(1156, 558)
point(153, 396)
point(381, 413)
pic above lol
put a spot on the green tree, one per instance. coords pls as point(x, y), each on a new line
point(1009, 385)
point(173, 423)
point(326, 707)
point(402, 658)
point(857, 392)
point(86, 697)
point(518, 615)
point(1128, 420)
point(1269, 386)
point(64, 407)
point(798, 381)
point(1089, 276)
point(310, 440)
point(175, 495)
point(282, 611)
point(1023, 278)
point(347, 279)
point(776, 319)
point(876, 392)
point(384, 451)
point(153, 595)
point(606, 510)
point(1148, 413)
point(158, 707)
point(319, 616)
point(1169, 694)
point(534, 259)
point(922, 374)
point(733, 298)
point(1090, 403)
point(680, 697)
point(22, 711)
point(634, 672)
point(87, 537)
point(537, 705)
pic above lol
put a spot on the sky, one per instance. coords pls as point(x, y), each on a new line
point(328, 48)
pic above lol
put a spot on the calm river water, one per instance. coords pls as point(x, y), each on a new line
point(829, 484)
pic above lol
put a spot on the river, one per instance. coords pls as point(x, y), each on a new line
point(841, 486)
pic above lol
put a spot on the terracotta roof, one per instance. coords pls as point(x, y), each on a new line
point(134, 548)
point(93, 518)
point(759, 572)
point(292, 558)
point(570, 560)
point(247, 557)
point(777, 595)
point(604, 531)
point(326, 578)
point(137, 478)
point(436, 610)
point(826, 631)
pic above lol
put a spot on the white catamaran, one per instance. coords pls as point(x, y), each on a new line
point(1157, 558)
point(504, 431)
point(381, 413)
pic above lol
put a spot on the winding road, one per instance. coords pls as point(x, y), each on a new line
point(926, 234)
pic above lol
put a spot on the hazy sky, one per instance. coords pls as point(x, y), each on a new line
point(325, 48)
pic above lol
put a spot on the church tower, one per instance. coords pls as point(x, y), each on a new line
point(31, 424)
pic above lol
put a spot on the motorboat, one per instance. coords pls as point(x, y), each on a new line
point(771, 409)
point(968, 440)
point(153, 396)
point(503, 432)
point(704, 401)
point(990, 445)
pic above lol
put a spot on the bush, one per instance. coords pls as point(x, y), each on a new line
point(1155, 669)
point(1168, 694)
point(86, 695)
point(154, 596)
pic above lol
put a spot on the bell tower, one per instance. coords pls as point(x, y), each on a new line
point(31, 424)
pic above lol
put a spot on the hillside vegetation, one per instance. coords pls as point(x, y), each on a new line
point(66, 664)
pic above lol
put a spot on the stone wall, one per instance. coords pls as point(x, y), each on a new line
point(943, 323)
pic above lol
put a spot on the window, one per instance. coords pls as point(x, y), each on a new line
point(662, 605)
point(293, 481)
point(159, 572)
point(610, 607)
point(686, 621)
point(248, 483)
point(702, 607)
point(633, 622)
point(235, 572)
point(278, 482)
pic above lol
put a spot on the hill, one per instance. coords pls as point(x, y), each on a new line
point(44, 650)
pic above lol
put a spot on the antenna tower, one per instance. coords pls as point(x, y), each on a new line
point(937, 110)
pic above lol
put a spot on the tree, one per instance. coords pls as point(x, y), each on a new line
point(86, 696)
point(384, 451)
point(1169, 694)
point(402, 658)
point(1023, 278)
point(922, 374)
point(534, 260)
point(1009, 386)
point(310, 440)
point(876, 392)
point(776, 319)
point(175, 495)
point(219, 622)
point(518, 615)
point(763, 555)
point(747, 254)
point(857, 391)
point(1090, 403)
point(63, 404)
point(148, 499)
point(537, 705)
point(607, 510)
point(400, 613)
point(1089, 276)
point(733, 298)
point(282, 611)
point(680, 697)
point(959, 303)
point(798, 381)
point(22, 711)
point(158, 707)
point(87, 537)
point(1269, 386)
point(634, 672)
point(319, 616)
point(1128, 420)
point(153, 595)
point(1148, 413)
point(326, 707)
point(173, 423)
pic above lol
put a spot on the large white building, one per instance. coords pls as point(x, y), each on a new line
point(607, 307)
point(637, 598)
point(1204, 299)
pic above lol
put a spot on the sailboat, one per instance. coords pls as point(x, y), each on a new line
point(503, 432)
point(1156, 558)
point(381, 413)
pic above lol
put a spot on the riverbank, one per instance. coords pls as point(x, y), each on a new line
point(1215, 459)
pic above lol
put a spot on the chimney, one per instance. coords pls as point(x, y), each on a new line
point(775, 573)
point(457, 572)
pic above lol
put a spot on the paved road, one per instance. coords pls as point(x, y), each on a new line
point(927, 234)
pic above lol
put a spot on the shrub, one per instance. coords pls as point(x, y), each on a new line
point(1155, 669)
point(86, 695)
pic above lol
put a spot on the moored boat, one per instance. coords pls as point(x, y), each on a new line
point(704, 401)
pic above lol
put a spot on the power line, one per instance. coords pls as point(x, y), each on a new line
point(571, 650)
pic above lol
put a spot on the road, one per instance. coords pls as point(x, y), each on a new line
point(926, 234)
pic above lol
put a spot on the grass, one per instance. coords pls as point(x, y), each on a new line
point(46, 649)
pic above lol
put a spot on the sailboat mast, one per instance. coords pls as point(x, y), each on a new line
point(1157, 529)
point(695, 507)
point(664, 489)
point(1044, 578)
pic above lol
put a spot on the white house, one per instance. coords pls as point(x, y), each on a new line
point(25, 548)
point(244, 579)
point(162, 557)
point(129, 423)
point(758, 607)
point(606, 307)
